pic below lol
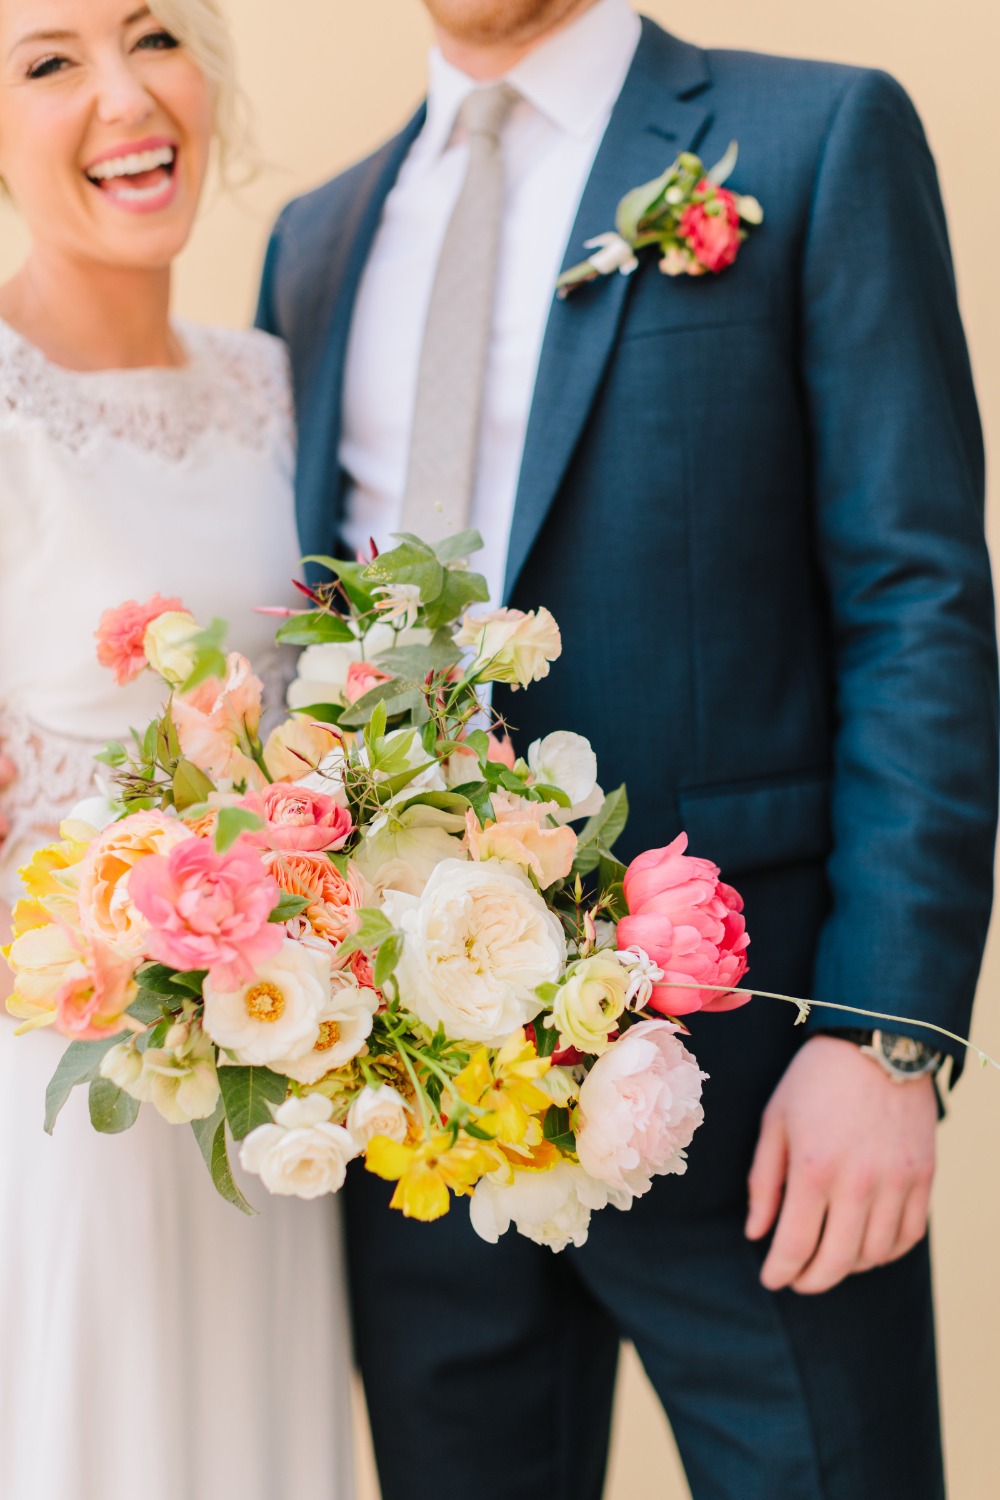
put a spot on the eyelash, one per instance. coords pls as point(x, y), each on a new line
point(153, 41)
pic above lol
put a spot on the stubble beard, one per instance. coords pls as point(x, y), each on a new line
point(484, 23)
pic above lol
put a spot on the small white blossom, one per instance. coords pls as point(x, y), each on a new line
point(400, 604)
point(643, 974)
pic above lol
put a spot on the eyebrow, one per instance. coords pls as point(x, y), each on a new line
point(65, 36)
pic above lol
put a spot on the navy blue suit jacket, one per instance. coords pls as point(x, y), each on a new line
point(753, 501)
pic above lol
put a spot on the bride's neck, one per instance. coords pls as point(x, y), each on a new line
point(89, 317)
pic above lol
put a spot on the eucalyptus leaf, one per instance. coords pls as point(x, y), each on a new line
point(211, 1137)
point(79, 1064)
point(396, 697)
point(112, 1111)
point(248, 1094)
point(415, 662)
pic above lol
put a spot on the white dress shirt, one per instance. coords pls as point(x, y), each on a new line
point(568, 88)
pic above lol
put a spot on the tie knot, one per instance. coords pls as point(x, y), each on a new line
point(485, 110)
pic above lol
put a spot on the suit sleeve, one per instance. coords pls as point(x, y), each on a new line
point(898, 475)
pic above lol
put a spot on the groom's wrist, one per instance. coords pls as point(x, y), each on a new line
point(904, 1059)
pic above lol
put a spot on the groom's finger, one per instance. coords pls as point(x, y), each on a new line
point(800, 1224)
point(884, 1230)
point(767, 1178)
point(913, 1226)
point(840, 1247)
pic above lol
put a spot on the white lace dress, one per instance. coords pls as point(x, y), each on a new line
point(154, 1343)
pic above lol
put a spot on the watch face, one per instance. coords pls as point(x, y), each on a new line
point(906, 1055)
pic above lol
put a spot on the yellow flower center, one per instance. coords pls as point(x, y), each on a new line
point(265, 1002)
point(329, 1036)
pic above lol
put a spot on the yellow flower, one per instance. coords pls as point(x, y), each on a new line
point(508, 1090)
point(46, 877)
point(424, 1173)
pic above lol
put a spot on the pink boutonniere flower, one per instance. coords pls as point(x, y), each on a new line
point(697, 225)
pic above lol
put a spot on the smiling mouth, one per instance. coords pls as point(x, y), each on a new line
point(135, 177)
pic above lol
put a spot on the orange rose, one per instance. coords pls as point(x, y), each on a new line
point(333, 898)
point(106, 909)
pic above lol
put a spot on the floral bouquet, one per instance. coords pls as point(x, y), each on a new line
point(376, 932)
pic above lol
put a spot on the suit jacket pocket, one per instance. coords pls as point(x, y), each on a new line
point(760, 823)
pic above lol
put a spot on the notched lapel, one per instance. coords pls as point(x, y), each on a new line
point(659, 113)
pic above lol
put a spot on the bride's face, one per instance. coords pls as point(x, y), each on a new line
point(105, 129)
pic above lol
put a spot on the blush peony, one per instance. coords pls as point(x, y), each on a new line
point(640, 1106)
point(690, 924)
point(207, 910)
point(476, 943)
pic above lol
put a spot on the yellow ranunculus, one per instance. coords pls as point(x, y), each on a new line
point(42, 959)
point(508, 1091)
point(425, 1173)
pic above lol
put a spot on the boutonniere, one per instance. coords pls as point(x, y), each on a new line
point(696, 224)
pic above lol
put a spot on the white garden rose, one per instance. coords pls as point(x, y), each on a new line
point(345, 1024)
point(381, 1111)
point(277, 1015)
point(511, 646)
point(402, 850)
point(302, 1155)
point(588, 1006)
point(169, 645)
point(552, 1208)
point(477, 941)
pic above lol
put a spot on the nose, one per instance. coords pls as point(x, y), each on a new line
point(122, 98)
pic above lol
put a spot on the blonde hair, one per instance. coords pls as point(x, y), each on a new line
point(201, 27)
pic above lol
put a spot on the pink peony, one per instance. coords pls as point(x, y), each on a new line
point(208, 910)
point(690, 925)
point(96, 994)
point(121, 631)
point(300, 819)
point(215, 718)
point(640, 1106)
point(362, 677)
point(712, 229)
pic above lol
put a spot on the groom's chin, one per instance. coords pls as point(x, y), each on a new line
point(482, 22)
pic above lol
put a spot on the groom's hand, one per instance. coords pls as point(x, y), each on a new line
point(844, 1164)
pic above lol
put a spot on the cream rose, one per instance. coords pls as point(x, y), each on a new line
point(511, 646)
point(523, 835)
point(552, 1208)
point(277, 1015)
point(477, 941)
point(345, 1024)
point(381, 1111)
point(169, 645)
point(591, 1002)
point(302, 1155)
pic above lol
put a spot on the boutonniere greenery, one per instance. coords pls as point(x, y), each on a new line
point(696, 224)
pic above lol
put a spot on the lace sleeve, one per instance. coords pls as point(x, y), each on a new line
point(257, 368)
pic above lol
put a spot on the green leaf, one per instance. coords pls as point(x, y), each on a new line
point(191, 786)
point(389, 954)
point(724, 169)
point(477, 794)
point(248, 1094)
point(323, 713)
point(557, 1129)
point(454, 548)
point(160, 980)
point(546, 1037)
point(637, 204)
point(288, 907)
point(79, 1064)
point(412, 562)
point(351, 580)
point(460, 589)
point(231, 823)
point(317, 628)
point(113, 754)
point(112, 1111)
point(603, 828)
point(373, 929)
point(478, 741)
point(547, 793)
point(211, 1137)
point(148, 1007)
point(395, 697)
point(210, 656)
point(415, 662)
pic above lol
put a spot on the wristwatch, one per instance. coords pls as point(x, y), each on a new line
point(903, 1058)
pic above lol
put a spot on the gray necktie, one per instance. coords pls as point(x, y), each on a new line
point(446, 418)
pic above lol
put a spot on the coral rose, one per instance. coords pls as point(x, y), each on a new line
point(208, 910)
point(334, 899)
point(640, 1106)
point(298, 818)
point(106, 907)
point(121, 635)
point(690, 924)
point(712, 229)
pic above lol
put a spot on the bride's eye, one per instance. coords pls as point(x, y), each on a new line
point(157, 41)
point(46, 66)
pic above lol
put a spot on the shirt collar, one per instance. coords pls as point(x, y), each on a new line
point(573, 78)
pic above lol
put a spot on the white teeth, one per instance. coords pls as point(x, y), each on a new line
point(136, 195)
point(133, 164)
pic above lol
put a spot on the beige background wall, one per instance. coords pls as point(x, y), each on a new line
point(328, 80)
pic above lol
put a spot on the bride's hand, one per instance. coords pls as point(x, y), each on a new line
point(7, 774)
point(844, 1165)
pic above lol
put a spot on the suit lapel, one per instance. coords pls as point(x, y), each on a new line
point(323, 334)
point(656, 116)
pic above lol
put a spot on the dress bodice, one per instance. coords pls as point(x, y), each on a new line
point(117, 485)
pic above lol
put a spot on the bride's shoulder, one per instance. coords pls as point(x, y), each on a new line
point(254, 360)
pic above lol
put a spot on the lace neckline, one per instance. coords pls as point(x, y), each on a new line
point(234, 382)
